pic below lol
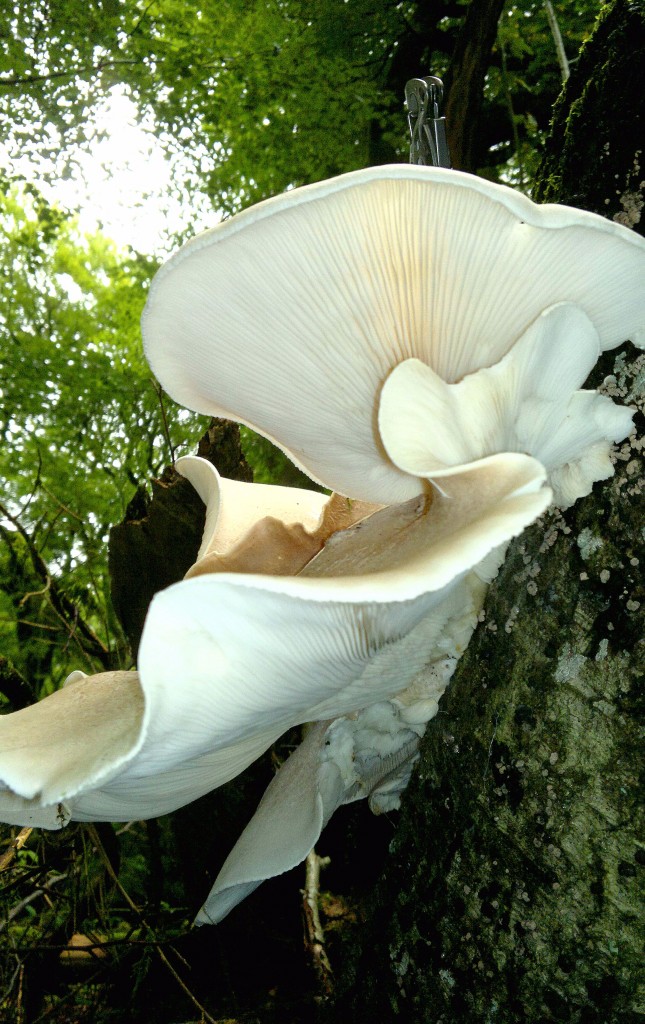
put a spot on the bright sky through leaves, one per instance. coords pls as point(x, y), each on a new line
point(122, 184)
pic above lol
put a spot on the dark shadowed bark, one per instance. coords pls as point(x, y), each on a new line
point(594, 156)
point(426, 35)
point(152, 548)
point(512, 888)
point(159, 538)
point(465, 83)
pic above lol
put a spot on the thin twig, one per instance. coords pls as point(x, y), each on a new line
point(314, 933)
point(160, 393)
point(557, 39)
point(19, 907)
point(62, 606)
point(7, 992)
point(9, 855)
point(65, 508)
point(73, 73)
point(19, 1007)
point(511, 111)
point(34, 625)
point(36, 593)
point(37, 481)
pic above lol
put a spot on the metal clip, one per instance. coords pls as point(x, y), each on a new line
point(428, 144)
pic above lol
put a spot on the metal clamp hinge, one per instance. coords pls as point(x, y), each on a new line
point(428, 144)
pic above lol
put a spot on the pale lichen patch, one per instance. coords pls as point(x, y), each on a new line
point(588, 543)
point(631, 200)
point(570, 665)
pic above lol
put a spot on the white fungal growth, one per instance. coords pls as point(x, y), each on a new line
point(415, 339)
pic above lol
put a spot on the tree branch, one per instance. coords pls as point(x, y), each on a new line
point(65, 609)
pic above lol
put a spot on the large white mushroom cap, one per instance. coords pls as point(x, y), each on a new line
point(291, 316)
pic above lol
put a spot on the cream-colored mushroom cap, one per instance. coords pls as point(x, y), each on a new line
point(234, 509)
point(290, 316)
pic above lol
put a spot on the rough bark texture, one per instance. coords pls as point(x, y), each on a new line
point(511, 892)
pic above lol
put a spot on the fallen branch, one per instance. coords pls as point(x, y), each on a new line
point(9, 855)
point(40, 891)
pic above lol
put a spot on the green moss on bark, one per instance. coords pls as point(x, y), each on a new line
point(593, 156)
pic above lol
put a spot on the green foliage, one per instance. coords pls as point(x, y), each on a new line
point(259, 95)
point(57, 888)
point(81, 424)
point(262, 96)
point(525, 79)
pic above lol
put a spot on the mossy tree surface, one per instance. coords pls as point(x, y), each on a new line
point(595, 150)
point(511, 889)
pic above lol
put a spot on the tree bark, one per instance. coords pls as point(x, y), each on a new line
point(159, 538)
point(465, 83)
point(511, 889)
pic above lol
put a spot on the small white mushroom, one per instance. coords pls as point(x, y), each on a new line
point(370, 754)
point(262, 528)
point(337, 762)
point(233, 507)
point(367, 754)
point(296, 806)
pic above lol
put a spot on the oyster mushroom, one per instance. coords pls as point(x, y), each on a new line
point(228, 661)
point(348, 279)
point(414, 339)
point(399, 325)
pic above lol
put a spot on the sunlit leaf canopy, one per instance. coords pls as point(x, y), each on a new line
point(263, 96)
point(80, 420)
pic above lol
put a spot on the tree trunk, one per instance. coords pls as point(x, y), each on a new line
point(511, 889)
point(465, 83)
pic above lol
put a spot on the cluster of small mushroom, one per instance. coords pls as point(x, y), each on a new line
point(415, 340)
